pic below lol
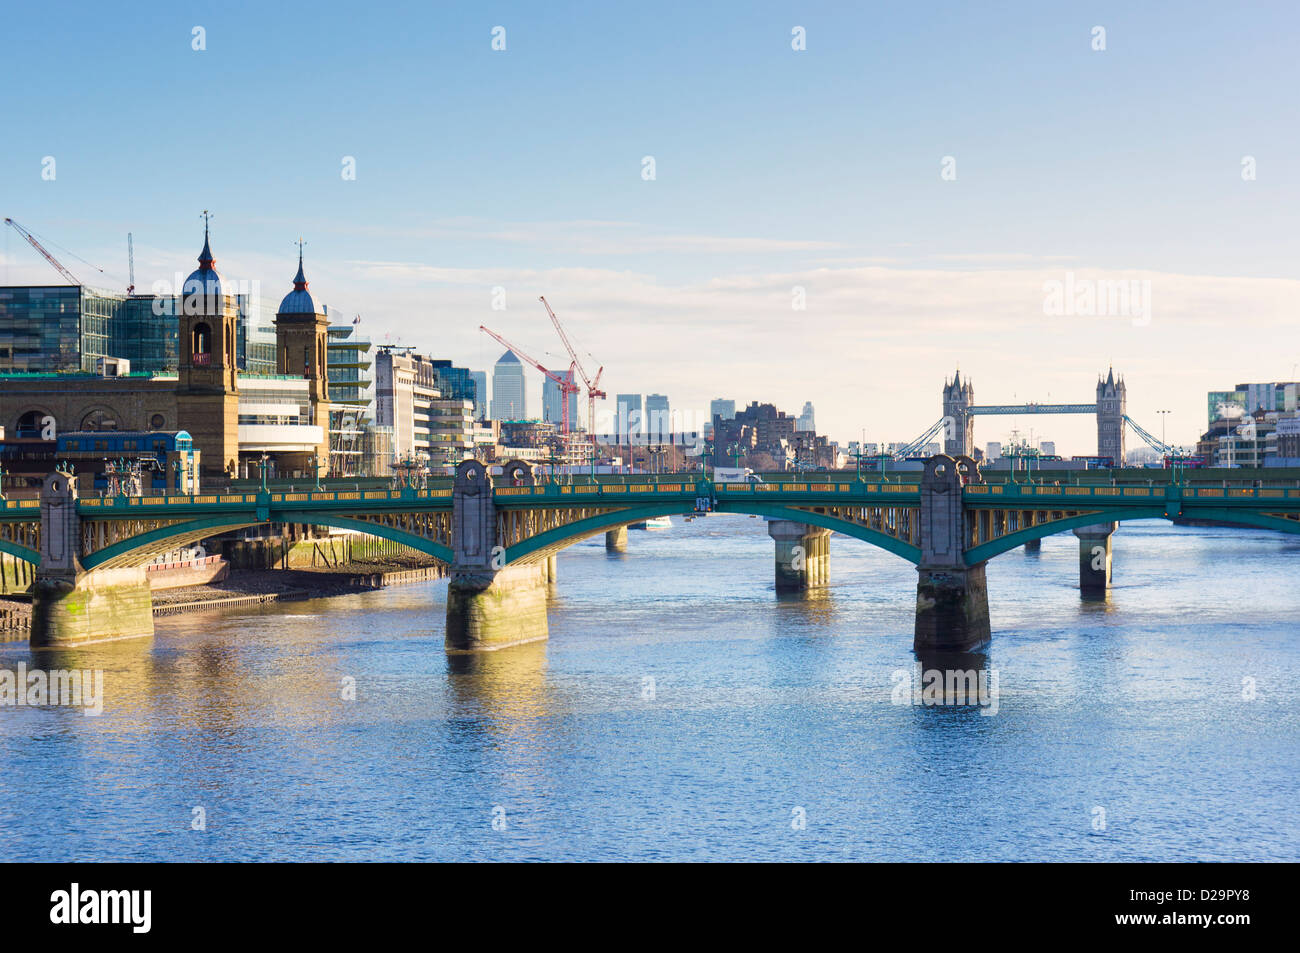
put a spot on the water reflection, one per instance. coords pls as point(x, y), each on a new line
point(507, 687)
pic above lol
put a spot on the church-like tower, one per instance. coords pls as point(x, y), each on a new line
point(959, 422)
point(207, 392)
point(1112, 405)
point(302, 350)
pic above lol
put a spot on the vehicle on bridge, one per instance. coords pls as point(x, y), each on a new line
point(735, 475)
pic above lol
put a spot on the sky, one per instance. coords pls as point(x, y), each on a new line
point(846, 223)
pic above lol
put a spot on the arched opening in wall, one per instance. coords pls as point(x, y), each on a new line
point(99, 420)
point(201, 344)
point(156, 422)
point(30, 425)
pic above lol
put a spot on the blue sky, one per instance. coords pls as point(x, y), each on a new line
point(774, 169)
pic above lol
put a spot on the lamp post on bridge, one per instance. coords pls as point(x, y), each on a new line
point(263, 464)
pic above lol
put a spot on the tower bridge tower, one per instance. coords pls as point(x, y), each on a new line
point(1112, 405)
point(959, 422)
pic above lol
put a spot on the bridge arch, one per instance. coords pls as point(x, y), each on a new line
point(1004, 544)
point(538, 547)
point(19, 551)
point(141, 549)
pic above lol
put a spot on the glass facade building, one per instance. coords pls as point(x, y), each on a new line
point(64, 328)
point(56, 328)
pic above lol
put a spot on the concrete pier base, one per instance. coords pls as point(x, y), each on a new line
point(802, 554)
point(552, 576)
point(1095, 558)
point(99, 606)
point(952, 599)
point(492, 610)
point(616, 540)
point(952, 610)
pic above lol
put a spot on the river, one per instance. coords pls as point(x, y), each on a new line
point(681, 711)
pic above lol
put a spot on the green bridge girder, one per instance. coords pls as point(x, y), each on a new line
point(19, 551)
point(1105, 504)
point(197, 517)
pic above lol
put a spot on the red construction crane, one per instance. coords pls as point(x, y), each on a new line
point(31, 240)
point(567, 387)
point(593, 387)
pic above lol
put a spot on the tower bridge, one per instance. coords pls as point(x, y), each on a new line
point(499, 541)
point(1110, 409)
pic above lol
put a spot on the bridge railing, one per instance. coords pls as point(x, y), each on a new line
point(990, 491)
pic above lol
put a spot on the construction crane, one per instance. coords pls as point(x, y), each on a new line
point(593, 387)
point(31, 240)
point(567, 387)
point(130, 263)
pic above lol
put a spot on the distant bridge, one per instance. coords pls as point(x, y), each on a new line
point(499, 540)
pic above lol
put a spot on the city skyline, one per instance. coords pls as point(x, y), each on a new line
point(682, 282)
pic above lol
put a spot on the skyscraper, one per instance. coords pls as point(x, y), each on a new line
point(726, 409)
point(552, 407)
point(658, 421)
point(508, 398)
point(628, 421)
point(480, 394)
point(806, 420)
point(718, 407)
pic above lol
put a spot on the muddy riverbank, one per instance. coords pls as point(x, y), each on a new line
point(252, 586)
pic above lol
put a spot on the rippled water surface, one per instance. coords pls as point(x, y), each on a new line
point(759, 707)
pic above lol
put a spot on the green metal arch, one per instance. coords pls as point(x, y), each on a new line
point(109, 555)
point(1004, 544)
point(1214, 514)
point(19, 551)
point(873, 536)
point(427, 546)
point(210, 526)
point(543, 544)
point(1223, 514)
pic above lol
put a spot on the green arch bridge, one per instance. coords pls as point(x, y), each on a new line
point(499, 540)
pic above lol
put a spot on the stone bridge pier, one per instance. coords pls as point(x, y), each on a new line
point(802, 555)
point(490, 605)
point(616, 539)
point(1094, 558)
point(71, 606)
point(952, 599)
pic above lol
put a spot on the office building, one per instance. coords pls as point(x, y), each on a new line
point(509, 400)
point(480, 394)
point(658, 420)
point(806, 419)
point(552, 401)
point(627, 419)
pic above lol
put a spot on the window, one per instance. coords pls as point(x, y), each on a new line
point(29, 424)
point(99, 420)
point(201, 343)
point(156, 422)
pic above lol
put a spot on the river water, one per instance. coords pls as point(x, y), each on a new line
point(681, 711)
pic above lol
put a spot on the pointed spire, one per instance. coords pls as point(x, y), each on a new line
point(1110, 377)
point(206, 261)
point(300, 280)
